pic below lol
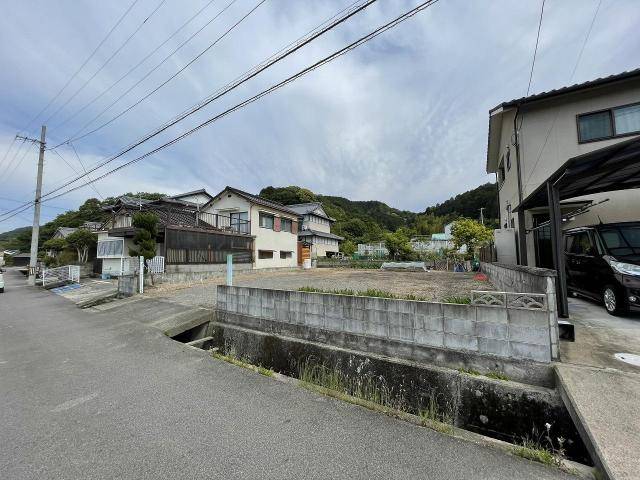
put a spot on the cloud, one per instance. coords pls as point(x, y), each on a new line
point(402, 119)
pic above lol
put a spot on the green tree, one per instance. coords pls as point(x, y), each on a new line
point(82, 240)
point(146, 224)
point(470, 233)
point(398, 245)
point(348, 247)
point(288, 195)
point(55, 245)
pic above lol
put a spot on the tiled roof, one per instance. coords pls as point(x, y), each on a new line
point(571, 88)
point(305, 208)
point(259, 200)
point(308, 233)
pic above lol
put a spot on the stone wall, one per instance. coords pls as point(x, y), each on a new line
point(501, 331)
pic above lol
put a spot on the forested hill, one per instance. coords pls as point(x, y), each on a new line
point(357, 221)
point(366, 221)
point(468, 204)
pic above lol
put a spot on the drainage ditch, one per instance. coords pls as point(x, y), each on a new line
point(494, 407)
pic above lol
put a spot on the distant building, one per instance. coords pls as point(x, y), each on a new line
point(376, 249)
point(21, 259)
point(437, 242)
point(316, 229)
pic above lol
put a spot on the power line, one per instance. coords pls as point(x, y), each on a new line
point(127, 40)
point(15, 200)
point(290, 79)
point(95, 50)
point(6, 154)
point(535, 51)
point(77, 136)
point(76, 171)
point(252, 73)
point(10, 171)
point(265, 92)
point(298, 43)
point(132, 69)
point(575, 68)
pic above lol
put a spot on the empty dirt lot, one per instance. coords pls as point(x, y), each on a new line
point(430, 285)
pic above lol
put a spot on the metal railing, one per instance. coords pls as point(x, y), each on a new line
point(66, 274)
point(225, 223)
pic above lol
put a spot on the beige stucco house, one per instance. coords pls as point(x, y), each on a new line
point(316, 229)
point(532, 137)
point(273, 225)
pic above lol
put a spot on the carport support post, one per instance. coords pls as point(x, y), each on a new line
point(522, 237)
point(557, 248)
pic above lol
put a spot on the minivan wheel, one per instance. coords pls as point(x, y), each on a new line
point(613, 301)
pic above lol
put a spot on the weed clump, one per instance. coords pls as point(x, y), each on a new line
point(232, 359)
point(370, 292)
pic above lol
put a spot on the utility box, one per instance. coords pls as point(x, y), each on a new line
point(505, 242)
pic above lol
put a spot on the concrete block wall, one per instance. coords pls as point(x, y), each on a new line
point(513, 333)
point(523, 279)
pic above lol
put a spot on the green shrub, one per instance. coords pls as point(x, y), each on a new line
point(456, 299)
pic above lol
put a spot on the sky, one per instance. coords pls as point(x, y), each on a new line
point(402, 119)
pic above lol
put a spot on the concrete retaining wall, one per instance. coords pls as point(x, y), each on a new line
point(520, 278)
point(499, 409)
point(497, 331)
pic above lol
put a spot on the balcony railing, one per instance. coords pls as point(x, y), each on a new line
point(224, 223)
point(192, 218)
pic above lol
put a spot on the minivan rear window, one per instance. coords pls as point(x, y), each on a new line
point(622, 240)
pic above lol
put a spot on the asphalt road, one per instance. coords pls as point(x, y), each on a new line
point(87, 396)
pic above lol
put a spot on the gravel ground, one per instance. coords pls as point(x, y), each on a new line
point(431, 285)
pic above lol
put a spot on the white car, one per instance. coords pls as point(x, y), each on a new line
point(1, 282)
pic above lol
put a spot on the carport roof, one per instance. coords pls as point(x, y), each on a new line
point(616, 167)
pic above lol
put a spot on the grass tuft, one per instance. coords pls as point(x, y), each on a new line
point(367, 391)
point(532, 451)
point(267, 372)
point(371, 292)
point(469, 371)
point(496, 375)
point(457, 299)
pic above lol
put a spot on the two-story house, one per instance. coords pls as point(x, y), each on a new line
point(316, 229)
point(273, 226)
point(192, 241)
point(532, 139)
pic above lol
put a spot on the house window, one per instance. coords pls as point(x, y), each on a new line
point(266, 220)
point(110, 248)
point(240, 221)
point(627, 119)
point(614, 122)
point(501, 174)
point(285, 225)
point(595, 126)
point(285, 255)
point(265, 254)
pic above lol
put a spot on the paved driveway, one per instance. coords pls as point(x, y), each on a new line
point(599, 336)
point(88, 396)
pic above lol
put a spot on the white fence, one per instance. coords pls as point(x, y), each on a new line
point(155, 265)
point(68, 273)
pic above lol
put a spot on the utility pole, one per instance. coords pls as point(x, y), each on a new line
point(35, 231)
point(481, 215)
